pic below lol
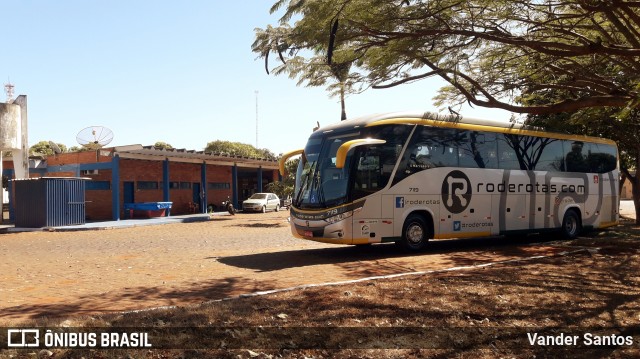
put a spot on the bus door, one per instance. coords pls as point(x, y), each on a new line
point(465, 212)
point(514, 202)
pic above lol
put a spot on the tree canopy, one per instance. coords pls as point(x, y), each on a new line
point(238, 149)
point(492, 53)
point(162, 145)
point(46, 148)
point(285, 187)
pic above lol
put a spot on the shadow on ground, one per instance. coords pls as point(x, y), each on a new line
point(459, 252)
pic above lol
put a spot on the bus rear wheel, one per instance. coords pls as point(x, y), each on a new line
point(415, 233)
point(571, 226)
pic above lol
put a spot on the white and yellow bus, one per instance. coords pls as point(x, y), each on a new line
point(411, 177)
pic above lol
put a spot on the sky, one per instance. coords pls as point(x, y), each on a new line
point(180, 72)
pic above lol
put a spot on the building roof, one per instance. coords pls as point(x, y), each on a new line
point(188, 156)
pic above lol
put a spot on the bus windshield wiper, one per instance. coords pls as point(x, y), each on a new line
point(320, 191)
point(303, 186)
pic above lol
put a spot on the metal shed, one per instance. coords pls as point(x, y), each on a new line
point(49, 202)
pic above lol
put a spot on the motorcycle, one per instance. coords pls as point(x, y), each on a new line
point(229, 207)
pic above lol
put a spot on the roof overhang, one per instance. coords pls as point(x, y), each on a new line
point(150, 153)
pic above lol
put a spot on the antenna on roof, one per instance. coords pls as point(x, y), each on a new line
point(54, 146)
point(94, 137)
point(8, 89)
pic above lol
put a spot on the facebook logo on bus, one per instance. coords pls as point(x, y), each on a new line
point(399, 202)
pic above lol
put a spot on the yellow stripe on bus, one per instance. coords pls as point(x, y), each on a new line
point(608, 224)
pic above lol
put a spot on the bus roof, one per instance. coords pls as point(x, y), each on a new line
point(452, 121)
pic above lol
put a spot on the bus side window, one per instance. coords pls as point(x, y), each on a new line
point(601, 158)
point(368, 172)
point(478, 150)
point(575, 157)
point(507, 157)
point(551, 158)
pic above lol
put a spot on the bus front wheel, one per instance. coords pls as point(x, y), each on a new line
point(415, 233)
point(571, 225)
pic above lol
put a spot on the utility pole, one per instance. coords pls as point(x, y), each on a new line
point(256, 92)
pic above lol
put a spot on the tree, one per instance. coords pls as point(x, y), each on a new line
point(45, 148)
point(479, 47)
point(330, 69)
point(238, 149)
point(285, 187)
point(162, 146)
point(79, 149)
point(541, 58)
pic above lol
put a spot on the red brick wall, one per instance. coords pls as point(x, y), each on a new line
point(218, 174)
point(98, 202)
point(76, 157)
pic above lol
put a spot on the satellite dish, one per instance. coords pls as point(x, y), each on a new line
point(54, 146)
point(94, 137)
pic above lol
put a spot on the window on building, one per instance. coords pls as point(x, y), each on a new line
point(147, 185)
point(97, 185)
point(218, 185)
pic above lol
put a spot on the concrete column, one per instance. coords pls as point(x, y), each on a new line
point(23, 161)
point(203, 188)
point(115, 187)
point(13, 134)
point(234, 185)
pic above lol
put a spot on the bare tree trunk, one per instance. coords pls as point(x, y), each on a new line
point(342, 104)
point(636, 201)
point(635, 190)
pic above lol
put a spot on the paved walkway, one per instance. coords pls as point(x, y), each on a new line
point(124, 223)
point(627, 209)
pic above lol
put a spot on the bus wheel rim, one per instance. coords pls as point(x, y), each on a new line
point(415, 233)
point(571, 225)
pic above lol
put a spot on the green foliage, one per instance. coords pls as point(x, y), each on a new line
point(492, 53)
point(285, 187)
point(162, 146)
point(328, 66)
point(44, 148)
point(238, 149)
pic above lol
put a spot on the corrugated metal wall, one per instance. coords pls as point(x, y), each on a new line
point(49, 202)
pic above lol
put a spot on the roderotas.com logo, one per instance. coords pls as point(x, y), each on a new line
point(456, 192)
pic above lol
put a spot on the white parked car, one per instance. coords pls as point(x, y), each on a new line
point(261, 202)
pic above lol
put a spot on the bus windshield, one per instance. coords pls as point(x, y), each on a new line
point(367, 169)
point(319, 183)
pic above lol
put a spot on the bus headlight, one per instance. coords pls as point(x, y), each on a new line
point(339, 217)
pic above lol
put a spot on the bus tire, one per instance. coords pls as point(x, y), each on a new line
point(415, 233)
point(571, 225)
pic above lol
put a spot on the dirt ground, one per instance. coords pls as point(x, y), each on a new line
point(71, 274)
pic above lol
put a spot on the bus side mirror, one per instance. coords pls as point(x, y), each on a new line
point(285, 157)
point(341, 154)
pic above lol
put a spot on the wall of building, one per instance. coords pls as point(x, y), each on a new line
point(98, 201)
point(147, 178)
point(71, 158)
